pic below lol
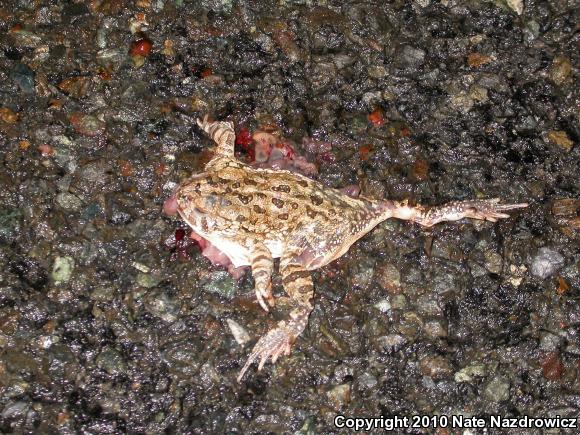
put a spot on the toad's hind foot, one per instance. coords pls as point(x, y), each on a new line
point(484, 209)
point(222, 133)
point(276, 342)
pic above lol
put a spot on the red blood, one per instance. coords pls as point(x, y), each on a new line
point(246, 143)
point(179, 235)
point(141, 47)
point(179, 244)
point(244, 138)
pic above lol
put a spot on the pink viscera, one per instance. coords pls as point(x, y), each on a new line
point(269, 152)
point(170, 206)
point(272, 152)
point(263, 144)
point(217, 257)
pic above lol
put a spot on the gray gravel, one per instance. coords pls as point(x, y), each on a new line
point(111, 320)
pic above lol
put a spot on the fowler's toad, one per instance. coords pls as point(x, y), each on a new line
point(255, 215)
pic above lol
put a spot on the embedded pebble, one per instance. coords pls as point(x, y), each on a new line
point(339, 396)
point(550, 342)
point(388, 276)
point(23, 76)
point(399, 302)
point(383, 305)
point(436, 367)
point(62, 269)
point(552, 366)
point(560, 138)
point(497, 389)
point(162, 305)
point(546, 262)
point(239, 332)
point(68, 201)
point(561, 69)
point(367, 381)
point(435, 328)
point(445, 283)
point(14, 410)
point(111, 361)
point(467, 374)
point(493, 262)
point(411, 56)
point(9, 223)
point(362, 273)
point(221, 283)
point(88, 125)
point(391, 342)
point(516, 5)
point(147, 280)
point(110, 319)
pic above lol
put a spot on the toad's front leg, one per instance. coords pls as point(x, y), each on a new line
point(484, 209)
point(298, 284)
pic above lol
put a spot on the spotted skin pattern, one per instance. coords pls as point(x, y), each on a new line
point(255, 215)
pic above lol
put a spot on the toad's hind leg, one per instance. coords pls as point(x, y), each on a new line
point(298, 284)
point(222, 133)
point(262, 268)
point(484, 209)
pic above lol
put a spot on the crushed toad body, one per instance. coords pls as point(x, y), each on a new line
point(254, 215)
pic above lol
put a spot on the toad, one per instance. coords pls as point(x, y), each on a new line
point(254, 215)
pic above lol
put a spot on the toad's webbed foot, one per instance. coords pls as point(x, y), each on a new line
point(276, 342)
point(483, 209)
